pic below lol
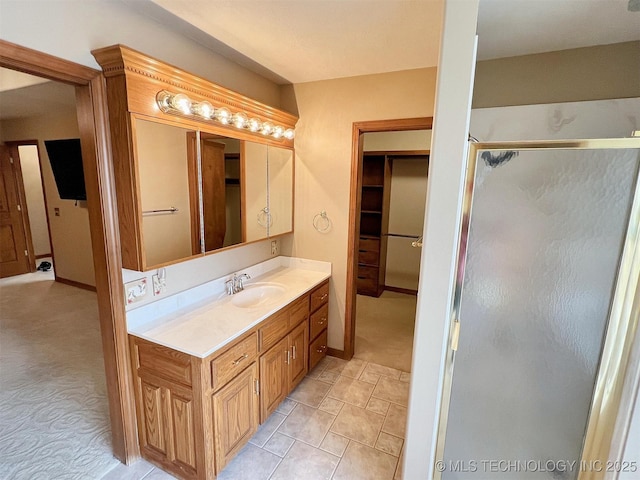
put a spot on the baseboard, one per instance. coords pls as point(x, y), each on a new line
point(44, 255)
point(406, 291)
point(334, 352)
point(73, 283)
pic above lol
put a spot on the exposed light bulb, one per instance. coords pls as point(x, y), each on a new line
point(289, 133)
point(240, 120)
point(223, 115)
point(255, 125)
point(267, 128)
point(163, 99)
point(278, 132)
point(203, 109)
point(181, 102)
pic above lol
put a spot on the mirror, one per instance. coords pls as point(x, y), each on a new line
point(168, 196)
point(245, 194)
point(280, 168)
point(256, 197)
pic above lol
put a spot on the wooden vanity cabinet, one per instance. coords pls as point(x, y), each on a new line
point(284, 365)
point(318, 322)
point(195, 414)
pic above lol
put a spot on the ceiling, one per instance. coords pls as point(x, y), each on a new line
point(307, 40)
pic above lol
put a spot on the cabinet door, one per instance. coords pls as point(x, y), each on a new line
point(168, 429)
point(274, 377)
point(298, 343)
point(235, 415)
point(154, 416)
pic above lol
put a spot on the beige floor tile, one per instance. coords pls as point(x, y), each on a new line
point(398, 475)
point(279, 444)
point(310, 392)
point(319, 368)
point(335, 364)
point(251, 463)
point(334, 444)
point(307, 424)
point(286, 406)
point(352, 391)
point(329, 377)
point(405, 377)
point(369, 377)
point(129, 472)
point(396, 421)
point(389, 444)
point(383, 371)
point(354, 368)
point(358, 424)
point(304, 462)
point(392, 390)
point(267, 428)
point(157, 474)
point(360, 462)
point(378, 406)
point(331, 405)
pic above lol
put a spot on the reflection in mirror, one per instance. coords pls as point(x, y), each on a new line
point(256, 217)
point(280, 165)
point(221, 191)
point(164, 172)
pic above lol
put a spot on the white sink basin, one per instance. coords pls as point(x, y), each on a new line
point(257, 295)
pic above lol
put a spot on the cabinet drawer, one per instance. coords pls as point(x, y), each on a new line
point(319, 321)
point(368, 273)
point(234, 361)
point(298, 311)
point(317, 349)
point(368, 258)
point(369, 245)
point(163, 361)
point(273, 330)
point(319, 296)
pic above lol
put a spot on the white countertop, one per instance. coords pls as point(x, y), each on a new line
point(203, 320)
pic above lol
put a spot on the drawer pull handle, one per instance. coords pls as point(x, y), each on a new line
point(324, 297)
point(293, 351)
point(362, 278)
point(257, 386)
point(322, 320)
point(240, 359)
point(322, 349)
point(288, 360)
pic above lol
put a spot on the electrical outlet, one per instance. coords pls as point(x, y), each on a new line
point(135, 291)
point(159, 282)
point(274, 247)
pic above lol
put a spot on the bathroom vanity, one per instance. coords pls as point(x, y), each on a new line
point(208, 373)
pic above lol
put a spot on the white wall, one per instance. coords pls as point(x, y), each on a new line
point(70, 29)
point(32, 178)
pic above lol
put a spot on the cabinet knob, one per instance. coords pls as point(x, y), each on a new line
point(322, 349)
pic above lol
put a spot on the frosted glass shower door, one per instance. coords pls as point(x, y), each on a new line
point(545, 237)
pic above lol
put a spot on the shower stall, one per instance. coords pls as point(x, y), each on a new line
point(544, 312)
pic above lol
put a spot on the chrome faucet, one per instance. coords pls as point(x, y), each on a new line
point(236, 283)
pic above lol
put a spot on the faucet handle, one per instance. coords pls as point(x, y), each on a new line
point(229, 284)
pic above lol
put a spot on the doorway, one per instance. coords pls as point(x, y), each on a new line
point(375, 249)
point(99, 178)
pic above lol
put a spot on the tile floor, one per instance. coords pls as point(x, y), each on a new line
point(345, 421)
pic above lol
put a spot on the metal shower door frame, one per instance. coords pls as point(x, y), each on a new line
point(622, 323)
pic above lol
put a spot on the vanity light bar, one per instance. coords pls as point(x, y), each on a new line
point(179, 103)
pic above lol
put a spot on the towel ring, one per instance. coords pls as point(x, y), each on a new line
point(321, 222)
point(264, 218)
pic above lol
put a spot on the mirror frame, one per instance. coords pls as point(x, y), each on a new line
point(133, 80)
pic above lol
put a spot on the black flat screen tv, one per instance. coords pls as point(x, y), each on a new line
point(65, 157)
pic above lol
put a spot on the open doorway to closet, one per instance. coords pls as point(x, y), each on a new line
point(388, 191)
